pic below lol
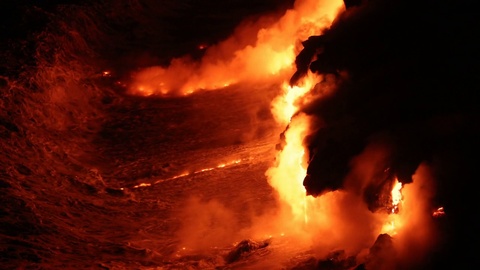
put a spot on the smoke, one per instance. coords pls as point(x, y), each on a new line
point(257, 51)
point(418, 235)
point(206, 225)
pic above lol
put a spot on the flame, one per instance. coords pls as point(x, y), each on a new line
point(271, 55)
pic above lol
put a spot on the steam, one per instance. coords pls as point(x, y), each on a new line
point(375, 124)
point(418, 235)
point(255, 52)
point(207, 225)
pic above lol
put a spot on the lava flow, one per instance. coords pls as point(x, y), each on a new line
point(292, 134)
point(339, 217)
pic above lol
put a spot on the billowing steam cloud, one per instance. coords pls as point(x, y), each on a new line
point(401, 108)
point(255, 52)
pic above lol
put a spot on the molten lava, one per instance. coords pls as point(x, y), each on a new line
point(439, 212)
point(339, 217)
point(396, 196)
point(219, 166)
point(396, 199)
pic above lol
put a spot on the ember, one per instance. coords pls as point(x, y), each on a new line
point(439, 212)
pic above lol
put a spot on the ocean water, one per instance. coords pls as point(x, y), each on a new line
point(94, 178)
point(95, 175)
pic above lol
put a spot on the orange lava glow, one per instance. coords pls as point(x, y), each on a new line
point(219, 166)
point(439, 212)
point(229, 62)
point(335, 219)
point(285, 105)
point(390, 227)
point(288, 174)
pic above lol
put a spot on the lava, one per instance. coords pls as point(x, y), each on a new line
point(219, 166)
point(234, 60)
point(353, 158)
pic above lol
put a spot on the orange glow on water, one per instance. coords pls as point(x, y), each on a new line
point(219, 166)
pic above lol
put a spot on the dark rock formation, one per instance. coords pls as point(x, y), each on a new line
point(394, 88)
point(244, 248)
point(336, 260)
point(407, 83)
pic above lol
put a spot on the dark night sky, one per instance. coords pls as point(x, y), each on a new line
point(412, 85)
point(136, 33)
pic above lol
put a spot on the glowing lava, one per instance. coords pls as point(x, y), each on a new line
point(396, 196)
point(268, 58)
point(392, 224)
point(290, 169)
point(219, 166)
point(439, 212)
point(288, 174)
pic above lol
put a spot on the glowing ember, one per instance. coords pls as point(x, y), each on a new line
point(272, 54)
point(439, 212)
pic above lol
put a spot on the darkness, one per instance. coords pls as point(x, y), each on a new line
point(407, 79)
point(406, 73)
point(127, 28)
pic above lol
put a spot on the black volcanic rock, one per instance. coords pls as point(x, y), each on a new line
point(244, 248)
point(407, 81)
point(336, 260)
